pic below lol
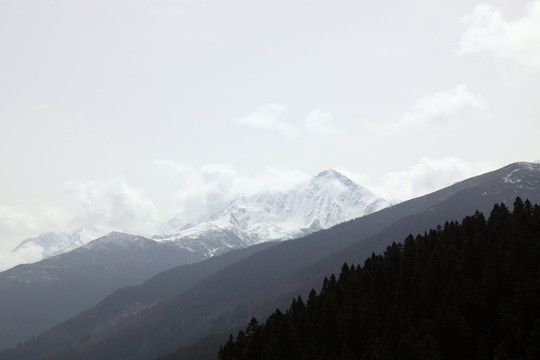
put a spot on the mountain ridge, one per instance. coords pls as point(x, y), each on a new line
point(245, 221)
point(259, 283)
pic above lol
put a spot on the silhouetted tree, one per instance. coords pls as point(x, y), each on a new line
point(468, 290)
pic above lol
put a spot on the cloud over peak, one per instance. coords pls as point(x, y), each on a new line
point(113, 205)
point(206, 189)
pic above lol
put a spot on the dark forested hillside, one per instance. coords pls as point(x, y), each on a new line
point(461, 291)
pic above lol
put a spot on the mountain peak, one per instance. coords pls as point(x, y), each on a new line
point(319, 203)
point(330, 173)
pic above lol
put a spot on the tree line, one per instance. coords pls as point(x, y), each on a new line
point(468, 290)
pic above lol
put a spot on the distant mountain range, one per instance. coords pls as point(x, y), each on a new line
point(324, 201)
point(63, 285)
point(200, 308)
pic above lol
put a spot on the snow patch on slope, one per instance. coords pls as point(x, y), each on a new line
point(515, 176)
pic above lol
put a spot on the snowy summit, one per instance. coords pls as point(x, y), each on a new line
point(322, 202)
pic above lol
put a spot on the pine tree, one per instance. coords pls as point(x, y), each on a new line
point(468, 290)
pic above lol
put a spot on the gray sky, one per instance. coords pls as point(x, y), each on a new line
point(120, 114)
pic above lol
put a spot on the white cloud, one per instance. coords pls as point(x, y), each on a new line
point(15, 223)
point(441, 107)
point(274, 117)
point(427, 176)
point(97, 206)
point(112, 205)
point(11, 220)
point(271, 117)
point(94, 205)
point(489, 31)
point(26, 255)
point(205, 190)
point(434, 110)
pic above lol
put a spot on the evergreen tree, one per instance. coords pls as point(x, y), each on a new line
point(468, 290)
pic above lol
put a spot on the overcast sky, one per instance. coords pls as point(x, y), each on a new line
point(121, 114)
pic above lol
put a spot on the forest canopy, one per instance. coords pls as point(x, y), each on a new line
point(468, 290)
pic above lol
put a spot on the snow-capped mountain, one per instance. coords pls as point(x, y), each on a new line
point(47, 245)
point(326, 200)
point(51, 243)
